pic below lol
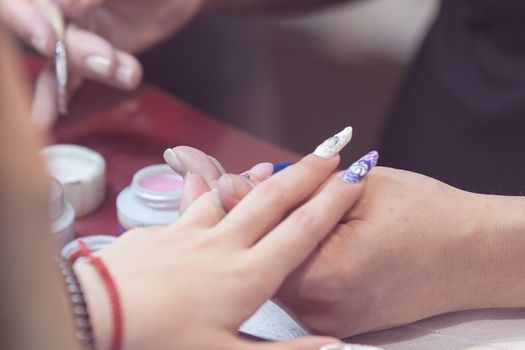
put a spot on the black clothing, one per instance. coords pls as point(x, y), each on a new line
point(460, 116)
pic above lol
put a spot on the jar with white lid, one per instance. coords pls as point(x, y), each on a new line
point(62, 215)
point(153, 198)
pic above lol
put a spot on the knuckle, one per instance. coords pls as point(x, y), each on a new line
point(305, 218)
point(272, 192)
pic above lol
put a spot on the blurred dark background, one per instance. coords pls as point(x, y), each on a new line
point(296, 80)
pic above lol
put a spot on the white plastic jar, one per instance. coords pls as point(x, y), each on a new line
point(152, 199)
point(62, 215)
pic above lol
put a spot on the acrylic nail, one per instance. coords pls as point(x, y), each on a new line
point(98, 65)
point(342, 346)
point(334, 144)
point(262, 170)
point(173, 161)
point(359, 169)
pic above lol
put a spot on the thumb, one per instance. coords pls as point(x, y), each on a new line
point(303, 343)
point(194, 187)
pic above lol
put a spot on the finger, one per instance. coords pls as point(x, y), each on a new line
point(205, 211)
point(30, 24)
point(304, 343)
point(299, 234)
point(44, 110)
point(273, 198)
point(194, 187)
point(218, 165)
point(183, 159)
point(95, 58)
point(261, 172)
point(231, 189)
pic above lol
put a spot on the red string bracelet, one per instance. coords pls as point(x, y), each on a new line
point(116, 310)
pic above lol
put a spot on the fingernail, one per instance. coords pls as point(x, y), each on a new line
point(359, 169)
point(125, 75)
point(173, 161)
point(342, 346)
point(39, 43)
point(98, 65)
point(334, 144)
point(262, 170)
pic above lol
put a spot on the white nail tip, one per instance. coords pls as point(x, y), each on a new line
point(348, 347)
point(334, 144)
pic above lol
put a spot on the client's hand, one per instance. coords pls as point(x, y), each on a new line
point(191, 285)
point(407, 250)
point(404, 252)
point(400, 255)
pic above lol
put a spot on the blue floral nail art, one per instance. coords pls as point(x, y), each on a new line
point(359, 169)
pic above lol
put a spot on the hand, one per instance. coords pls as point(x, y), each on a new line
point(100, 39)
point(409, 249)
point(191, 285)
point(398, 256)
point(201, 172)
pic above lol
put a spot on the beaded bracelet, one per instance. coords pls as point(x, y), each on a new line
point(84, 331)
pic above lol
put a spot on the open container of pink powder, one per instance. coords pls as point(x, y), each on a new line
point(153, 198)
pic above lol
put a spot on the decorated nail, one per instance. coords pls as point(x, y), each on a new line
point(334, 144)
point(342, 346)
point(359, 169)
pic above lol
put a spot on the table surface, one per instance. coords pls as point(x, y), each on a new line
point(132, 131)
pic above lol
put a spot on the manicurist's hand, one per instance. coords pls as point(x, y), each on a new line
point(101, 38)
point(192, 284)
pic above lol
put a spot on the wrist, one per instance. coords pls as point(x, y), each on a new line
point(97, 302)
point(494, 251)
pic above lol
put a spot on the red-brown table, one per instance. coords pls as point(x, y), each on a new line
point(133, 130)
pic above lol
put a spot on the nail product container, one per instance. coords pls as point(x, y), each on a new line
point(82, 172)
point(153, 198)
point(62, 215)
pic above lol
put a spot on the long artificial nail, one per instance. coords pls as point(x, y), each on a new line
point(359, 169)
point(173, 161)
point(262, 170)
point(98, 65)
point(342, 346)
point(334, 144)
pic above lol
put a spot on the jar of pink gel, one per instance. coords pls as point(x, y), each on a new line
point(153, 198)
